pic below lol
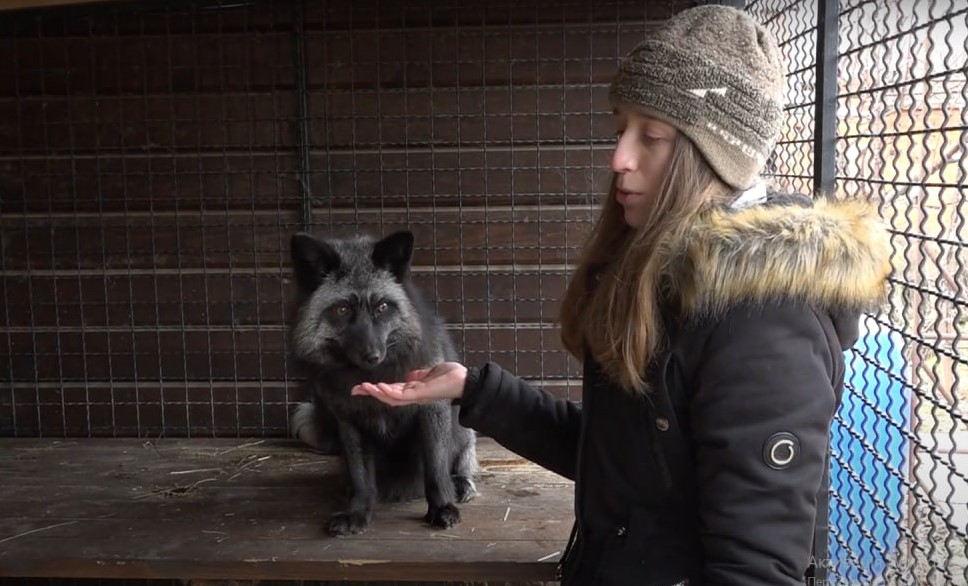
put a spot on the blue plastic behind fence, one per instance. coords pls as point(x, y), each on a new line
point(867, 509)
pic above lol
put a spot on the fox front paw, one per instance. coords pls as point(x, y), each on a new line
point(465, 489)
point(443, 517)
point(347, 523)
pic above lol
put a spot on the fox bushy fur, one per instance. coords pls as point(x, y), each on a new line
point(360, 318)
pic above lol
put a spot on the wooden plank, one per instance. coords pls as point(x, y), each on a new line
point(198, 409)
point(21, 4)
point(228, 179)
point(340, 18)
point(254, 509)
point(549, 235)
point(251, 354)
point(122, 302)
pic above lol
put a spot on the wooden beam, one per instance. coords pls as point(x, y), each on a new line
point(255, 509)
point(28, 4)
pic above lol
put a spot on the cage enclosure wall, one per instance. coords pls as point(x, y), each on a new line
point(155, 159)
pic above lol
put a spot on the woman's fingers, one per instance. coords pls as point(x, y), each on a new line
point(444, 381)
point(391, 390)
point(418, 374)
point(389, 393)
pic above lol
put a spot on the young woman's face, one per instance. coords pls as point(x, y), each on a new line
point(640, 161)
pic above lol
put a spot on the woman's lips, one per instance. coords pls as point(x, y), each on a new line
point(622, 196)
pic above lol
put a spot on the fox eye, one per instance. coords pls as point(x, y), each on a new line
point(381, 308)
point(340, 310)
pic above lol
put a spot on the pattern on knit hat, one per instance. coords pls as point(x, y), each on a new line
point(659, 71)
point(731, 108)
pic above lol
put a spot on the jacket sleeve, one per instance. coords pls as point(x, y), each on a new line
point(763, 396)
point(526, 420)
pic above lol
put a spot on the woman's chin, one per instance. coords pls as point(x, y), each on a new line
point(633, 218)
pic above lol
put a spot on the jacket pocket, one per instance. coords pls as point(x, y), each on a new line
point(654, 549)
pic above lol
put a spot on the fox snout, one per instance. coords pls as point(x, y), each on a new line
point(369, 357)
point(364, 345)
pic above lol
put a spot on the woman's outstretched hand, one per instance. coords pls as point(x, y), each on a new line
point(443, 381)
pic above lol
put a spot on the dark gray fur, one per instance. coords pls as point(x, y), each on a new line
point(385, 330)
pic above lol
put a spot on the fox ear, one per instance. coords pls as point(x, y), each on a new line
point(312, 259)
point(394, 253)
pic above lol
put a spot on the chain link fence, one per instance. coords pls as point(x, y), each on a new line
point(154, 160)
point(876, 111)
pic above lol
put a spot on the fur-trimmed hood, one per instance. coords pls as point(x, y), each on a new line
point(832, 255)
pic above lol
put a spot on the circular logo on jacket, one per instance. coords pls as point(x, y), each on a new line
point(780, 450)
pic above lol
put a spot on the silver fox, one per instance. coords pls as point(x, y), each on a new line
point(360, 318)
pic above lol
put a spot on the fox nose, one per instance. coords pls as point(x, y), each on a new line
point(372, 358)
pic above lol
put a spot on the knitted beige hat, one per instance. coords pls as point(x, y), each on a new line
point(716, 75)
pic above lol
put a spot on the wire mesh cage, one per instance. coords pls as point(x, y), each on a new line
point(155, 158)
point(876, 111)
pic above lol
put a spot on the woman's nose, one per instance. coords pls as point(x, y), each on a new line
point(623, 159)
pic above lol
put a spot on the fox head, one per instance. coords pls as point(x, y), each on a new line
point(354, 301)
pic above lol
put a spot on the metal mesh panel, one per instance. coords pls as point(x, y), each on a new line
point(794, 24)
point(899, 473)
point(145, 198)
point(131, 582)
point(155, 159)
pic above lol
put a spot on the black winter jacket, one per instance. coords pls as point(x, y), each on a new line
point(712, 477)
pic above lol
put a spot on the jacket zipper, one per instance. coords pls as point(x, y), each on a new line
point(657, 451)
point(576, 528)
point(559, 569)
point(579, 486)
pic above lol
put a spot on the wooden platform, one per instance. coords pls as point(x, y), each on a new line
point(255, 509)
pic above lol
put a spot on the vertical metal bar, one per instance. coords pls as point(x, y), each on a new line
point(460, 186)
point(150, 171)
point(69, 101)
point(487, 160)
point(177, 222)
point(227, 172)
point(105, 287)
point(325, 117)
point(825, 129)
point(252, 273)
point(824, 182)
point(52, 226)
point(206, 278)
point(279, 152)
point(299, 64)
point(126, 214)
point(515, 161)
point(28, 307)
point(255, 274)
point(741, 4)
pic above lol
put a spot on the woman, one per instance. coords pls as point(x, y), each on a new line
point(711, 317)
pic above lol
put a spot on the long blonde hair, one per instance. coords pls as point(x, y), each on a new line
point(617, 318)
